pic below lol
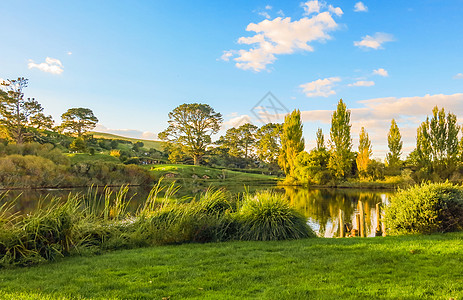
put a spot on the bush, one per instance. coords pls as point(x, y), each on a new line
point(426, 208)
point(266, 216)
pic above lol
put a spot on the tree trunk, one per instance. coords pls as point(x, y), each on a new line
point(196, 159)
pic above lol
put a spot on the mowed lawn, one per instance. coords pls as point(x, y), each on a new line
point(407, 267)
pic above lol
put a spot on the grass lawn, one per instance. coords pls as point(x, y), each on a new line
point(199, 172)
point(407, 267)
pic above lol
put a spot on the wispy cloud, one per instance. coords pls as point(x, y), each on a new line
point(268, 7)
point(360, 7)
point(236, 121)
point(264, 14)
point(380, 72)
point(69, 53)
point(320, 87)
point(374, 42)
point(131, 133)
point(51, 65)
point(362, 83)
point(284, 36)
point(458, 76)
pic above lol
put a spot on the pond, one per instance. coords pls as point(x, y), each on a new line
point(322, 207)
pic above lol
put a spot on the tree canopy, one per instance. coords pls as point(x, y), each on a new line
point(78, 120)
point(292, 142)
point(191, 127)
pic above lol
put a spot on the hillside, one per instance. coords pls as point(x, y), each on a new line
point(148, 143)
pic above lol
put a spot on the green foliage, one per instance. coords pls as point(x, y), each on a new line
point(426, 208)
point(17, 114)
point(394, 142)
point(340, 142)
point(78, 120)
point(78, 145)
point(239, 142)
point(191, 127)
point(267, 216)
point(320, 140)
point(363, 156)
point(292, 142)
point(268, 142)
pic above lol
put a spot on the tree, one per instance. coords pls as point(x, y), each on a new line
point(340, 141)
point(363, 157)
point(268, 142)
point(18, 113)
point(78, 145)
point(78, 120)
point(191, 127)
point(394, 142)
point(292, 142)
point(320, 140)
point(239, 142)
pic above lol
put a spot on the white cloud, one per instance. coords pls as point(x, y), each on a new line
point(458, 76)
point(335, 10)
point(69, 53)
point(360, 7)
point(284, 36)
point(236, 121)
point(51, 65)
point(130, 133)
point(268, 7)
point(380, 72)
point(281, 13)
point(264, 14)
point(226, 55)
point(362, 83)
point(374, 42)
point(320, 87)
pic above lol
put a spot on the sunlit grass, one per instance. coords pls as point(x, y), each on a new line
point(408, 267)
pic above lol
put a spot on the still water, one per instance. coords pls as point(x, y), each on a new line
point(321, 206)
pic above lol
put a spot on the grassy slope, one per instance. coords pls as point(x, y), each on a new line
point(189, 171)
point(82, 157)
point(148, 143)
point(408, 267)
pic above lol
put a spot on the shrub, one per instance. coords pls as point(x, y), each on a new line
point(267, 216)
point(426, 208)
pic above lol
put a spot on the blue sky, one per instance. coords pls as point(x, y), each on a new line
point(132, 62)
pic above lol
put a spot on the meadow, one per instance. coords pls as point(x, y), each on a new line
point(401, 267)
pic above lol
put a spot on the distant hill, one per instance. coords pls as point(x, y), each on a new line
point(148, 143)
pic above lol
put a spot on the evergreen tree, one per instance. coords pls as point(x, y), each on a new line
point(363, 157)
point(292, 142)
point(394, 142)
point(340, 162)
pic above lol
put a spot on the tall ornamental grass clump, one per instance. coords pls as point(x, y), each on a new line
point(426, 208)
point(266, 216)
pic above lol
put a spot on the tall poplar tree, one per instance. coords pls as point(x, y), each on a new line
point(320, 140)
point(394, 142)
point(363, 157)
point(292, 142)
point(340, 141)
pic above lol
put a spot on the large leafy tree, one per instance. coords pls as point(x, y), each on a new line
point(17, 114)
point(78, 121)
point(340, 141)
point(394, 142)
point(268, 142)
point(363, 156)
point(191, 127)
point(292, 142)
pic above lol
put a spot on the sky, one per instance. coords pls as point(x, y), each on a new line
point(132, 62)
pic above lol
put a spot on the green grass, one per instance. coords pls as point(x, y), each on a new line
point(199, 172)
point(84, 157)
point(405, 267)
point(147, 143)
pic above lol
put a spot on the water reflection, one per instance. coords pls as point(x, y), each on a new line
point(323, 206)
point(320, 206)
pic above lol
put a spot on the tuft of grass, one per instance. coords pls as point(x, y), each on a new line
point(267, 216)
